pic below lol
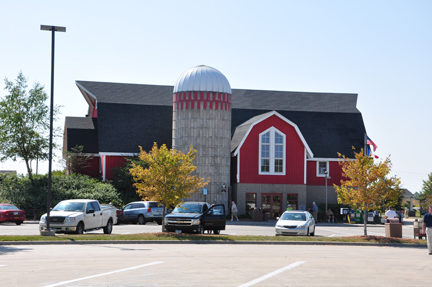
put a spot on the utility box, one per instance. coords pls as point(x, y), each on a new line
point(393, 228)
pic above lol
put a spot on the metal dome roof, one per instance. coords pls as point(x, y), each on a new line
point(202, 78)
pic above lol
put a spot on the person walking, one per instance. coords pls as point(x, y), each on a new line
point(427, 228)
point(315, 211)
point(234, 211)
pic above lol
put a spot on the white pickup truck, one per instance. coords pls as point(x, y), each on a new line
point(79, 215)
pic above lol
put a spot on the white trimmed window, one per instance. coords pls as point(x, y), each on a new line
point(322, 167)
point(272, 152)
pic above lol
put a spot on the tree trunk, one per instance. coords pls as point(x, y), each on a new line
point(29, 171)
point(365, 221)
point(163, 217)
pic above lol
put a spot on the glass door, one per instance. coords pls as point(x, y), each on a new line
point(271, 204)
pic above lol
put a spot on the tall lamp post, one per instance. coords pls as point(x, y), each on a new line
point(53, 29)
point(326, 177)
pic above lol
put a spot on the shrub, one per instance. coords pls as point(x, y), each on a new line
point(27, 194)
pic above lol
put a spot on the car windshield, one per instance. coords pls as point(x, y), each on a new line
point(294, 216)
point(188, 208)
point(8, 207)
point(69, 206)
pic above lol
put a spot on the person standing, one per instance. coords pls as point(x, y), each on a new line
point(289, 207)
point(427, 228)
point(391, 213)
point(234, 211)
point(315, 211)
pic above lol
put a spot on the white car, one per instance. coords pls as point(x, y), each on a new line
point(295, 222)
point(79, 215)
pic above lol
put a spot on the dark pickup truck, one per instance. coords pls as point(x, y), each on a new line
point(196, 217)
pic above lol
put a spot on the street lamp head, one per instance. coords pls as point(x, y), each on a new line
point(53, 28)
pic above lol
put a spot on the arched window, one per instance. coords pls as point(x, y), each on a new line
point(272, 152)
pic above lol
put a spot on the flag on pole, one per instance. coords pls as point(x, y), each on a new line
point(370, 142)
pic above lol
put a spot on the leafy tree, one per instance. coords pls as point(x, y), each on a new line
point(427, 186)
point(367, 186)
point(24, 123)
point(123, 180)
point(76, 160)
point(168, 176)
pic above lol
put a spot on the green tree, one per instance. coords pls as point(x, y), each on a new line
point(427, 186)
point(123, 181)
point(367, 186)
point(76, 160)
point(24, 123)
point(168, 176)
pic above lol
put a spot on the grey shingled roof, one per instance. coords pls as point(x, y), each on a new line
point(132, 114)
point(117, 93)
point(82, 131)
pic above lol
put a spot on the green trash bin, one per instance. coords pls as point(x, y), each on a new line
point(359, 216)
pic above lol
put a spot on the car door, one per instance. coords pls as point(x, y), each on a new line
point(127, 212)
point(90, 220)
point(214, 218)
point(98, 214)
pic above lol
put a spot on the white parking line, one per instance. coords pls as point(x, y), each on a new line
point(2, 265)
point(262, 278)
point(104, 274)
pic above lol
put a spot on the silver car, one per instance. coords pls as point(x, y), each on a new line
point(142, 211)
point(295, 222)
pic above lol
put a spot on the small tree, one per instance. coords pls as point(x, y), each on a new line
point(24, 123)
point(168, 176)
point(366, 186)
point(76, 160)
point(427, 186)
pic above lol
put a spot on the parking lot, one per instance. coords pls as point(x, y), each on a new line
point(232, 228)
point(212, 265)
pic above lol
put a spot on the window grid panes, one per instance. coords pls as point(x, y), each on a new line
point(272, 154)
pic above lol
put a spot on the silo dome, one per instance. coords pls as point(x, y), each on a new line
point(202, 78)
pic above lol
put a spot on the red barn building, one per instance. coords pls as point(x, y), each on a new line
point(270, 148)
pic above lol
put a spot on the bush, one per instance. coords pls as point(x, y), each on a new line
point(27, 194)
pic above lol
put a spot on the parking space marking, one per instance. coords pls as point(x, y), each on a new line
point(104, 274)
point(262, 278)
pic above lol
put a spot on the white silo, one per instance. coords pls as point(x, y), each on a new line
point(202, 118)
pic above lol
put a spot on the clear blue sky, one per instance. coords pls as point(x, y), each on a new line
point(380, 50)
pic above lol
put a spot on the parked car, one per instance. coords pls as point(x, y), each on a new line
point(295, 222)
point(79, 215)
point(142, 212)
point(196, 217)
point(11, 213)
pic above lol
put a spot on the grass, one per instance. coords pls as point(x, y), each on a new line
point(194, 237)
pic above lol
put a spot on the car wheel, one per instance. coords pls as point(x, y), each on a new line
point(216, 231)
point(201, 229)
point(141, 219)
point(313, 232)
point(108, 229)
point(80, 228)
point(18, 222)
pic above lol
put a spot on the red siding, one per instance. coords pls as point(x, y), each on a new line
point(112, 162)
point(249, 155)
point(93, 169)
point(335, 174)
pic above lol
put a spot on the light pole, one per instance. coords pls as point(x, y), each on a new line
point(53, 29)
point(326, 176)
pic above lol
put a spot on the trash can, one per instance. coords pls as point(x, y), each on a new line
point(417, 227)
point(393, 228)
point(359, 216)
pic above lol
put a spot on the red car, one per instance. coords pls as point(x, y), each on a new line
point(11, 213)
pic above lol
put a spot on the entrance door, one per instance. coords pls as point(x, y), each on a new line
point(271, 204)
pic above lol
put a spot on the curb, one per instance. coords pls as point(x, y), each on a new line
point(94, 242)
